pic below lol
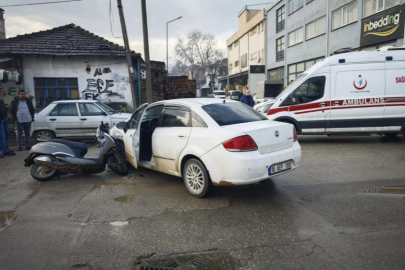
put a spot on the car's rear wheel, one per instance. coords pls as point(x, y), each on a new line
point(196, 178)
point(43, 136)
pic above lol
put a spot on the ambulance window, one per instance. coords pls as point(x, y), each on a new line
point(311, 90)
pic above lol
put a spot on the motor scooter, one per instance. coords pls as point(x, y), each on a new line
point(60, 157)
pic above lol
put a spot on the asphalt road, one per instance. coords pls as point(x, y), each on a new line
point(328, 214)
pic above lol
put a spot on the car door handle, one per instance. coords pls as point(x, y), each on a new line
point(52, 119)
point(183, 136)
point(83, 119)
point(323, 104)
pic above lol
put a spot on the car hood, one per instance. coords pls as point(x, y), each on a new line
point(271, 101)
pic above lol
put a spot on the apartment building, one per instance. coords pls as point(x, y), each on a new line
point(303, 32)
point(246, 49)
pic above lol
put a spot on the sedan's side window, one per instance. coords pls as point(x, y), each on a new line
point(197, 121)
point(310, 90)
point(68, 109)
point(175, 118)
point(134, 122)
point(89, 109)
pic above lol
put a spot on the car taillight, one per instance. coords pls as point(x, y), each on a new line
point(295, 135)
point(242, 143)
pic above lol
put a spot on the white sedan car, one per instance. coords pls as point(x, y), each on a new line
point(208, 142)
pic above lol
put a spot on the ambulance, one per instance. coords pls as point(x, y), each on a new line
point(349, 93)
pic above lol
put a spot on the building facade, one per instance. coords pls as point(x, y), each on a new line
point(303, 32)
point(69, 62)
point(246, 49)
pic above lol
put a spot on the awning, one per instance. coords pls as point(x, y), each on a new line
point(279, 81)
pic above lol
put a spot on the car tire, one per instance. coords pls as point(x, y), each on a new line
point(391, 135)
point(196, 178)
point(43, 135)
point(121, 149)
point(38, 174)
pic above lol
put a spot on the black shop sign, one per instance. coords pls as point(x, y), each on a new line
point(257, 69)
point(383, 26)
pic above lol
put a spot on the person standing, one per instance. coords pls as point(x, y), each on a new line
point(5, 123)
point(4, 151)
point(22, 113)
point(247, 99)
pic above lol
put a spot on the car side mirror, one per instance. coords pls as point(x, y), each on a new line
point(122, 125)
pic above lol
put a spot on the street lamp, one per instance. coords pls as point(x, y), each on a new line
point(167, 42)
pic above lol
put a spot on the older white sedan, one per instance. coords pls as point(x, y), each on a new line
point(208, 142)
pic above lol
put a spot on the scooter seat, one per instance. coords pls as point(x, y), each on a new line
point(80, 149)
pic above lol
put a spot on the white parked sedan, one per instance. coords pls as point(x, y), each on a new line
point(74, 118)
point(208, 142)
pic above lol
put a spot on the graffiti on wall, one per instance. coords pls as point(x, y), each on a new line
point(11, 90)
point(104, 85)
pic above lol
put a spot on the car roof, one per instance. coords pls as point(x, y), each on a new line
point(194, 101)
point(75, 101)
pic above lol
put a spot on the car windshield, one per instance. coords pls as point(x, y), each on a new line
point(232, 113)
point(291, 85)
point(107, 108)
point(219, 93)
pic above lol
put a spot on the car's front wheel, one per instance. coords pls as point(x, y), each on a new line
point(196, 178)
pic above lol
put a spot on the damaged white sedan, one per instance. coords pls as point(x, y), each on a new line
point(208, 142)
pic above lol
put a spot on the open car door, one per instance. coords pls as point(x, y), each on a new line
point(132, 135)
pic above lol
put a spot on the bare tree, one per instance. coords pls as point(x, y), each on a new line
point(199, 54)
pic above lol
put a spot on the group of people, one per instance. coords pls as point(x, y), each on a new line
point(22, 113)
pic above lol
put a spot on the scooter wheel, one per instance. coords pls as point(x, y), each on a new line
point(115, 166)
point(42, 172)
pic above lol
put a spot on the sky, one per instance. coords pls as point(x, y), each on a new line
point(218, 17)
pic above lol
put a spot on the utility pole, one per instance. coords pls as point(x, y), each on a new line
point(146, 49)
point(128, 54)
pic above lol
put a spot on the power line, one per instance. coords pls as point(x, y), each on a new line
point(42, 3)
point(111, 14)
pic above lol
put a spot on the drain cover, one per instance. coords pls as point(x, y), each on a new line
point(200, 261)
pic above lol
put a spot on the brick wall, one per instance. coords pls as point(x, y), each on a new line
point(168, 87)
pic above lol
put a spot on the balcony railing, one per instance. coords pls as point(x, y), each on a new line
point(280, 26)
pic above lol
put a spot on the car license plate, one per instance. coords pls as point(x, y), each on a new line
point(280, 167)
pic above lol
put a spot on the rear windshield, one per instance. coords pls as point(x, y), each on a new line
point(219, 93)
point(232, 113)
point(235, 93)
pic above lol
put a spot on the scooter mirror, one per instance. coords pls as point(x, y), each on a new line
point(122, 125)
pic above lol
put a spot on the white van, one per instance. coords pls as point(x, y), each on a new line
point(359, 92)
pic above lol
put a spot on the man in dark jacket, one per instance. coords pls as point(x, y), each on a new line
point(22, 113)
point(247, 99)
point(4, 151)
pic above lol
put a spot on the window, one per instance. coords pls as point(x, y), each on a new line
point(316, 28)
point(106, 108)
point(47, 90)
point(344, 15)
point(236, 63)
point(68, 109)
point(296, 37)
point(253, 31)
point(373, 6)
point(175, 118)
point(297, 69)
point(90, 109)
point(134, 122)
point(236, 44)
point(276, 74)
point(152, 113)
point(232, 113)
point(197, 121)
point(243, 61)
point(311, 90)
point(280, 49)
point(280, 13)
point(294, 5)
point(229, 48)
point(230, 66)
point(253, 56)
